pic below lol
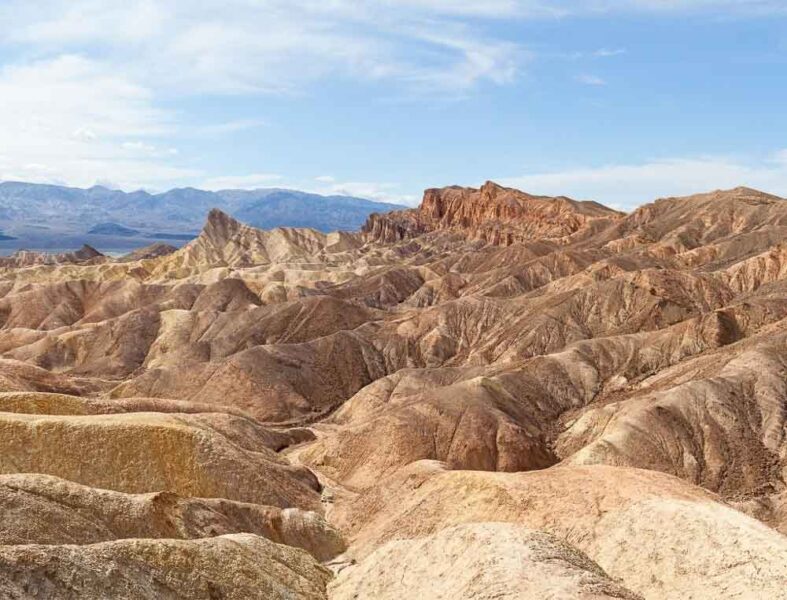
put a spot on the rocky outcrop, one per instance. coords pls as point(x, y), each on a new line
point(227, 242)
point(150, 452)
point(492, 213)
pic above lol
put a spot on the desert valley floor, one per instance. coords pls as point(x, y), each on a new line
point(494, 395)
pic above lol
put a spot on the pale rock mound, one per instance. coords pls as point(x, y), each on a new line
point(482, 561)
point(659, 536)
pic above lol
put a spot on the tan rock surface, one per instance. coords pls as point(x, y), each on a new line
point(40, 509)
point(151, 452)
point(657, 535)
point(480, 561)
point(237, 567)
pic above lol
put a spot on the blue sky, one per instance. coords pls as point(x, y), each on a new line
point(617, 101)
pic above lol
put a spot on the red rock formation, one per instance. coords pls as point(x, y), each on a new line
point(493, 213)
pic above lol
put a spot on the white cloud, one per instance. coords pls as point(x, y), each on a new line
point(608, 52)
point(86, 106)
point(61, 22)
point(240, 46)
point(564, 8)
point(486, 9)
point(749, 7)
point(72, 120)
point(630, 185)
point(227, 127)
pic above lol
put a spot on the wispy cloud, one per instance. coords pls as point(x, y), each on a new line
point(227, 127)
point(71, 119)
point(84, 81)
point(88, 105)
point(739, 7)
point(608, 52)
point(588, 79)
point(236, 46)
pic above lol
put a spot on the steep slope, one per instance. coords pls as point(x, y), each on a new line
point(227, 242)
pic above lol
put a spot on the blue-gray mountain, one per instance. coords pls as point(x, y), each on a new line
point(58, 217)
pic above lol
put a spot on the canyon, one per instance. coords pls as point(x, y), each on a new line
point(493, 395)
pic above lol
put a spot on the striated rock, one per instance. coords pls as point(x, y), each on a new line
point(488, 430)
point(151, 452)
point(227, 242)
point(492, 213)
point(40, 509)
point(237, 567)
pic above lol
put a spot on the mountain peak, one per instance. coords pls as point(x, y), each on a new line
point(490, 188)
point(218, 220)
point(218, 215)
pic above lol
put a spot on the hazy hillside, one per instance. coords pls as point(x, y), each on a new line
point(57, 217)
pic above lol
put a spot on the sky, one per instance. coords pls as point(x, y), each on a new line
point(618, 101)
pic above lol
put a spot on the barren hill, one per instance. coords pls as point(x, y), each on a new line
point(494, 395)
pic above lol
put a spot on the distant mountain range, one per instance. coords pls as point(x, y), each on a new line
point(57, 217)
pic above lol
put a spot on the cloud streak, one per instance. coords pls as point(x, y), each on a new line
point(588, 79)
point(236, 46)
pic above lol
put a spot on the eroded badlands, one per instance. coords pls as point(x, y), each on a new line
point(495, 395)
